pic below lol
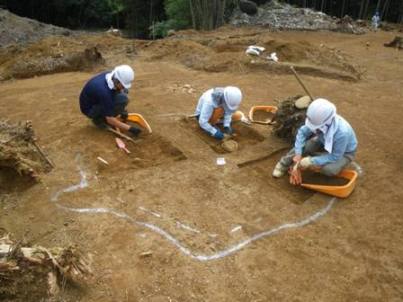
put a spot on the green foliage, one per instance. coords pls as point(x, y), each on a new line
point(68, 13)
point(178, 12)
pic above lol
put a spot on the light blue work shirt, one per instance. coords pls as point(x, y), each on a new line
point(210, 100)
point(344, 142)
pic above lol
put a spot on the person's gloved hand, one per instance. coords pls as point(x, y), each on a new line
point(134, 131)
point(124, 115)
point(219, 135)
point(228, 130)
point(306, 162)
point(295, 175)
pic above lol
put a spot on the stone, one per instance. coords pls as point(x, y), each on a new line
point(248, 7)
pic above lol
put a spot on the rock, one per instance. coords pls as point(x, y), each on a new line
point(171, 32)
point(248, 7)
point(230, 145)
point(303, 102)
point(279, 15)
point(146, 254)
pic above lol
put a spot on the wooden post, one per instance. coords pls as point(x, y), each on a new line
point(300, 82)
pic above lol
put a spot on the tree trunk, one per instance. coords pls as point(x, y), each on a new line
point(343, 8)
point(362, 6)
point(385, 9)
point(366, 9)
point(207, 14)
point(378, 5)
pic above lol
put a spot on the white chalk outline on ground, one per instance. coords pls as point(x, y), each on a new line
point(186, 227)
point(200, 257)
point(150, 212)
point(235, 229)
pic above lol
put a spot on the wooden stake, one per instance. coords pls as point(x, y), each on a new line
point(300, 82)
point(122, 135)
point(47, 159)
point(261, 158)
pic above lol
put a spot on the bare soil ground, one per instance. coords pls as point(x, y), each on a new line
point(187, 214)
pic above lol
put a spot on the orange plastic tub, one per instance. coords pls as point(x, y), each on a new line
point(272, 109)
point(338, 191)
point(218, 114)
point(140, 120)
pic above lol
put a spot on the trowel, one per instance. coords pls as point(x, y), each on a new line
point(121, 145)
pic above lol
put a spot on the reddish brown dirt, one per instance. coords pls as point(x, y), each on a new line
point(354, 253)
point(310, 177)
point(262, 116)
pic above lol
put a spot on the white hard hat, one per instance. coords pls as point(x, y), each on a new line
point(124, 74)
point(232, 97)
point(320, 112)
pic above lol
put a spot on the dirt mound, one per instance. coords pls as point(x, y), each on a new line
point(283, 16)
point(19, 152)
point(397, 42)
point(288, 119)
point(47, 56)
point(41, 273)
point(217, 53)
point(18, 30)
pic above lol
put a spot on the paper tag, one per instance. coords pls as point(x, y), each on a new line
point(221, 161)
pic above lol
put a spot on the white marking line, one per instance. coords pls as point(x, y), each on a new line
point(235, 229)
point(186, 227)
point(150, 212)
point(200, 257)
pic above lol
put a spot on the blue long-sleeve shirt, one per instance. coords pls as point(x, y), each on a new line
point(344, 142)
point(205, 108)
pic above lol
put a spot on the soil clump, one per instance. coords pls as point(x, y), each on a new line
point(19, 30)
point(397, 42)
point(315, 178)
point(51, 55)
point(34, 273)
point(288, 119)
point(19, 151)
point(282, 16)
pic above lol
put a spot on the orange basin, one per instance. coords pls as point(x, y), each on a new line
point(140, 120)
point(338, 191)
point(272, 109)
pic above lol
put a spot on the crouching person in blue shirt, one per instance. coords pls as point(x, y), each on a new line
point(104, 98)
point(218, 104)
point(325, 132)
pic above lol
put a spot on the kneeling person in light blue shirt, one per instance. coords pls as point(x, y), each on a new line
point(217, 103)
point(325, 132)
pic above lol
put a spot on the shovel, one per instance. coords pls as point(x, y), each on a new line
point(121, 145)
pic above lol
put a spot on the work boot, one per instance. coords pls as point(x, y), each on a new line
point(279, 170)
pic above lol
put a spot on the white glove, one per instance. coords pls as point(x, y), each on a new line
point(306, 162)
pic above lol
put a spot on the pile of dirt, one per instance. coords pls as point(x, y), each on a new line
point(50, 55)
point(37, 273)
point(288, 119)
point(282, 16)
point(220, 53)
point(18, 30)
point(19, 151)
point(397, 42)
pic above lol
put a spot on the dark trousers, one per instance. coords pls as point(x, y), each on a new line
point(96, 113)
point(312, 148)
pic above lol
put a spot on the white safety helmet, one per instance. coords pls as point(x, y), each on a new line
point(320, 113)
point(124, 74)
point(232, 97)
